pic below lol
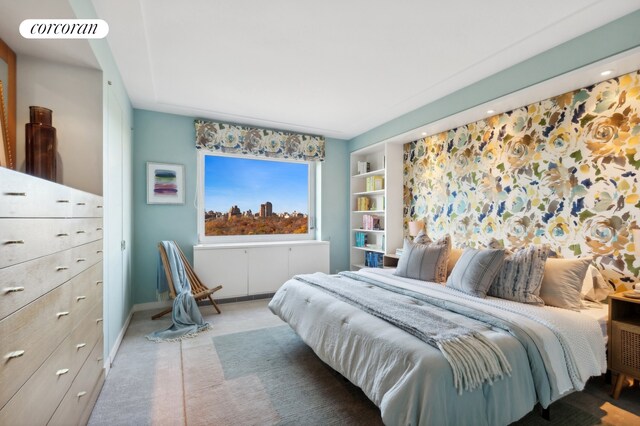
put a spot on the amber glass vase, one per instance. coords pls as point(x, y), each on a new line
point(41, 144)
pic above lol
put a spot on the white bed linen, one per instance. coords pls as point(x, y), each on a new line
point(600, 314)
point(587, 347)
point(406, 378)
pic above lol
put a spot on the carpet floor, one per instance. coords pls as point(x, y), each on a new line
point(250, 369)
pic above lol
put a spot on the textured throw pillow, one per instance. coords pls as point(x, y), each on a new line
point(475, 271)
point(521, 275)
point(422, 238)
point(594, 287)
point(426, 262)
point(562, 282)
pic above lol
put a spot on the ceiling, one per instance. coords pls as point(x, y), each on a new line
point(73, 52)
point(335, 68)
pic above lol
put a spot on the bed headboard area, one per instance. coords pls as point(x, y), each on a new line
point(563, 171)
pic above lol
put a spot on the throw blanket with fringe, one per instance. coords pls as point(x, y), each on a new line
point(186, 317)
point(474, 359)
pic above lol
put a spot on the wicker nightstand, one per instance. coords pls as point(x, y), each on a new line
point(624, 339)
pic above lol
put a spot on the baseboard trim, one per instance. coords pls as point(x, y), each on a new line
point(151, 305)
point(116, 345)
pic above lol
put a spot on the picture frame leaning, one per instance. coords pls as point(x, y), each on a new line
point(165, 183)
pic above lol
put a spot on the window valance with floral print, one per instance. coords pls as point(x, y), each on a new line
point(235, 139)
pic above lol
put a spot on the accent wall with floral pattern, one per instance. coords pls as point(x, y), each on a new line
point(563, 171)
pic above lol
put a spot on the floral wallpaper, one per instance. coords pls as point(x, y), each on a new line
point(229, 138)
point(563, 171)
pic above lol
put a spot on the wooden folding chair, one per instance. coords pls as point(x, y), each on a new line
point(198, 289)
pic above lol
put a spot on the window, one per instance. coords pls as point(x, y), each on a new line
point(251, 199)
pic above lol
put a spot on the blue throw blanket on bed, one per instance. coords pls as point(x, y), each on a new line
point(185, 316)
point(474, 359)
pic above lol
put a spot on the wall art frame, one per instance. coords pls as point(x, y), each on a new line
point(165, 183)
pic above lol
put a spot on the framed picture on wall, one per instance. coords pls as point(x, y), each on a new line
point(165, 183)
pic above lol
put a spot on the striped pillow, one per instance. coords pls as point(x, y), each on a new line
point(475, 271)
point(426, 262)
point(520, 279)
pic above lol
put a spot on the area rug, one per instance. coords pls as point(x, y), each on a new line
point(304, 390)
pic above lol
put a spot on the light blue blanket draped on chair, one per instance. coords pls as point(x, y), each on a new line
point(186, 317)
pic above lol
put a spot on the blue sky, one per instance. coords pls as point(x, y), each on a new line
point(248, 183)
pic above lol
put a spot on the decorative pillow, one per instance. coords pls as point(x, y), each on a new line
point(521, 275)
point(454, 255)
point(475, 271)
point(562, 282)
point(422, 238)
point(426, 262)
point(594, 287)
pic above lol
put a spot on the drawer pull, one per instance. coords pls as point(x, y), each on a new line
point(80, 232)
point(12, 289)
point(81, 259)
point(16, 194)
point(62, 268)
point(99, 359)
point(80, 204)
point(81, 394)
point(81, 345)
point(62, 314)
point(63, 201)
point(98, 229)
point(79, 298)
point(98, 251)
point(98, 207)
point(99, 320)
point(61, 372)
point(14, 354)
point(98, 282)
point(62, 235)
point(14, 242)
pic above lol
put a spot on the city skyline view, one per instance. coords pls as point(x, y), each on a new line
point(248, 183)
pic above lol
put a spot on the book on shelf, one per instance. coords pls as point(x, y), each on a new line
point(361, 239)
point(374, 183)
point(364, 167)
point(373, 259)
point(364, 203)
point(371, 222)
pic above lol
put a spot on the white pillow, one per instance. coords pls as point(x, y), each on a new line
point(594, 287)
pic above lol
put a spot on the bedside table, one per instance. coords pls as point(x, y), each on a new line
point(624, 339)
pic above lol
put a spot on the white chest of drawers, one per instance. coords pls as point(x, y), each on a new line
point(50, 301)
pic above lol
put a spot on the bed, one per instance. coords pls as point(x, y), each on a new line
point(551, 351)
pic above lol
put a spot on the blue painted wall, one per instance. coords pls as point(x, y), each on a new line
point(616, 37)
point(167, 138)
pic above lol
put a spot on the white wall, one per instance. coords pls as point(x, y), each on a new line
point(75, 96)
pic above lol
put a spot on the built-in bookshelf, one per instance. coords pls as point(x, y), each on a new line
point(376, 204)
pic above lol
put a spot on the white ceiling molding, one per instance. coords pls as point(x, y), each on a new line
point(334, 68)
point(620, 64)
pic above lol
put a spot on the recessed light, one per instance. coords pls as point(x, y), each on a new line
point(424, 133)
point(605, 73)
point(490, 111)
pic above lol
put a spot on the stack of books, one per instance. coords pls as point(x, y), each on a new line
point(374, 183)
point(364, 167)
point(370, 222)
point(364, 203)
point(361, 239)
point(373, 260)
